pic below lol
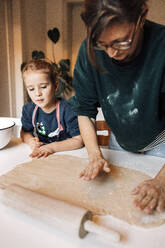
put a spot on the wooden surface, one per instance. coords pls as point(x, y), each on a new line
point(29, 233)
point(58, 176)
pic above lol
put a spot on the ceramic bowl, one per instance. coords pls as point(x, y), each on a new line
point(6, 131)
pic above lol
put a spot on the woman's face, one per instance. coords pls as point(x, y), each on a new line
point(116, 33)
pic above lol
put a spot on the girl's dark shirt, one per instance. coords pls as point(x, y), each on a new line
point(46, 123)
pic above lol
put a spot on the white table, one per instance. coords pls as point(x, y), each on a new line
point(20, 231)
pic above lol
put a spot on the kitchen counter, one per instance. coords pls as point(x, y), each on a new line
point(20, 231)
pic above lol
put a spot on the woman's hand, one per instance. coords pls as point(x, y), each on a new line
point(96, 165)
point(96, 161)
point(42, 151)
point(150, 195)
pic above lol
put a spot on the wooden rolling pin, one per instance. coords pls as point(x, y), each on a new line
point(58, 214)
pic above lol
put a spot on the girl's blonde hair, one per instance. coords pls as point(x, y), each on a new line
point(42, 65)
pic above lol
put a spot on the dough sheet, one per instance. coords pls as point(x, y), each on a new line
point(57, 176)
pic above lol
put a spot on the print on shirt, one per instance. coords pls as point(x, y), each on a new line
point(41, 130)
point(54, 133)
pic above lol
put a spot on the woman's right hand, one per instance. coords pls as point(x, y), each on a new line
point(95, 166)
point(97, 163)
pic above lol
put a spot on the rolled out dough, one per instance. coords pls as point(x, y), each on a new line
point(57, 176)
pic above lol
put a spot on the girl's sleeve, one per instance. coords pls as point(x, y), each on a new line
point(26, 118)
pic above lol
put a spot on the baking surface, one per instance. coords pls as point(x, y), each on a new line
point(26, 232)
point(57, 176)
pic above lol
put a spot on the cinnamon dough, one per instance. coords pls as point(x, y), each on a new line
point(57, 176)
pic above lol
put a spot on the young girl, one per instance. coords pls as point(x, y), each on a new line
point(48, 124)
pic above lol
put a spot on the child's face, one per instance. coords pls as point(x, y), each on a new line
point(40, 89)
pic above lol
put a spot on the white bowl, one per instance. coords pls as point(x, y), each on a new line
point(6, 131)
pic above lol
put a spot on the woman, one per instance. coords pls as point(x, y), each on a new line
point(121, 68)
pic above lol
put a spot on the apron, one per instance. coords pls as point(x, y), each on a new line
point(58, 130)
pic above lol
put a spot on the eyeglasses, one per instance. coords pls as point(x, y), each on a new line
point(123, 45)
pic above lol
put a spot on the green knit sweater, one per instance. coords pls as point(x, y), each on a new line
point(132, 96)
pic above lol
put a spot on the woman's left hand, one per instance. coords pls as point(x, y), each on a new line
point(42, 151)
point(150, 195)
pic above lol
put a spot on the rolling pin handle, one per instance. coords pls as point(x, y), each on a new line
point(93, 227)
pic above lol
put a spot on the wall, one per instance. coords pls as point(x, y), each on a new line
point(65, 15)
point(54, 14)
point(157, 11)
point(34, 34)
point(78, 33)
point(4, 86)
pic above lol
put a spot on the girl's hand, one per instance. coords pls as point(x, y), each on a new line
point(96, 165)
point(42, 151)
point(150, 196)
point(34, 143)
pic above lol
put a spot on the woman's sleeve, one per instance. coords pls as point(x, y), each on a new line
point(26, 118)
point(162, 99)
point(71, 121)
point(85, 101)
